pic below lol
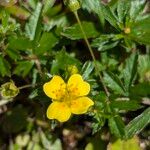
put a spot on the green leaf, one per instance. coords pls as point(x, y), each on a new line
point(34, 21)
point(114, 83)
point(138, 123)
point(13, 54)
point(46, 43)
point(4, 67)
point(110, 16)
point(47, 5)
point(20, 43)
point(140, 31)
point(137, 7)
point(74, 32)
point(116, 126)
point(87, 69)
point(141, 89)
point(123, 9)
point(130, 69)
point(106, 42)
point(23, 68)
point(125, 105)
point(94, 6)
point(62, 61)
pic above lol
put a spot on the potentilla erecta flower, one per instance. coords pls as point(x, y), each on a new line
point(67, 98)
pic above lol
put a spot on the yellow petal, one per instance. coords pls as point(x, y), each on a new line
point(81, 105)
point(77, 87)
point(59, 111)
point(55, 88)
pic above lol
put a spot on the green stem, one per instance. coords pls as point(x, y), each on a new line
point(91, 52)
point(26, 86)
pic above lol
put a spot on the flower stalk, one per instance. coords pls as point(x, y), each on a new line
point(91, 52)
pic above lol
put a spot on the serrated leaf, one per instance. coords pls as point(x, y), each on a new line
point(110, 16)
point(19, 43)
point(46, 43)
point(114, 83)
point(122, 9)
point(137, 7)
point(4, 67)
point(74, 32)
point(138, 123)
point(94, 6)
point(130, 69)
point(116, 126)
point(87, 69)
point(105, 42)
point(32, 26)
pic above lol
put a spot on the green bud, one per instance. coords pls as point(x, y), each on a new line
point(73, 5)
point(72, 69)
point(9, 90)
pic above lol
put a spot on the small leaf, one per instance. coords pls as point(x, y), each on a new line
point(117, 126)
point(74, 32)
point(123, 9)
point(46, 43)
point(130, 69)
point(19, 43)
point(87, 69)
point(110, 16)
point(138, 123)
point(114, 83)
point(106, 42)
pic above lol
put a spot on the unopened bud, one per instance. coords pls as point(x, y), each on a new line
point(73, 5)
point(127, 30)
point(72, 69)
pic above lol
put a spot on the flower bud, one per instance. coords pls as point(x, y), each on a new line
point(73, 5)
point(127, 30)
point(72, 69)
point(9, 90)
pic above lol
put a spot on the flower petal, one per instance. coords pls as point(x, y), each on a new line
point(55, 88)
point(59, 111)
point(81, 105)
point(77, 87)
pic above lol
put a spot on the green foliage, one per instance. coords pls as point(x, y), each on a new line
point(40, 39)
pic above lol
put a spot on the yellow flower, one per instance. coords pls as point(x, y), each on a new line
point(67, 98)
